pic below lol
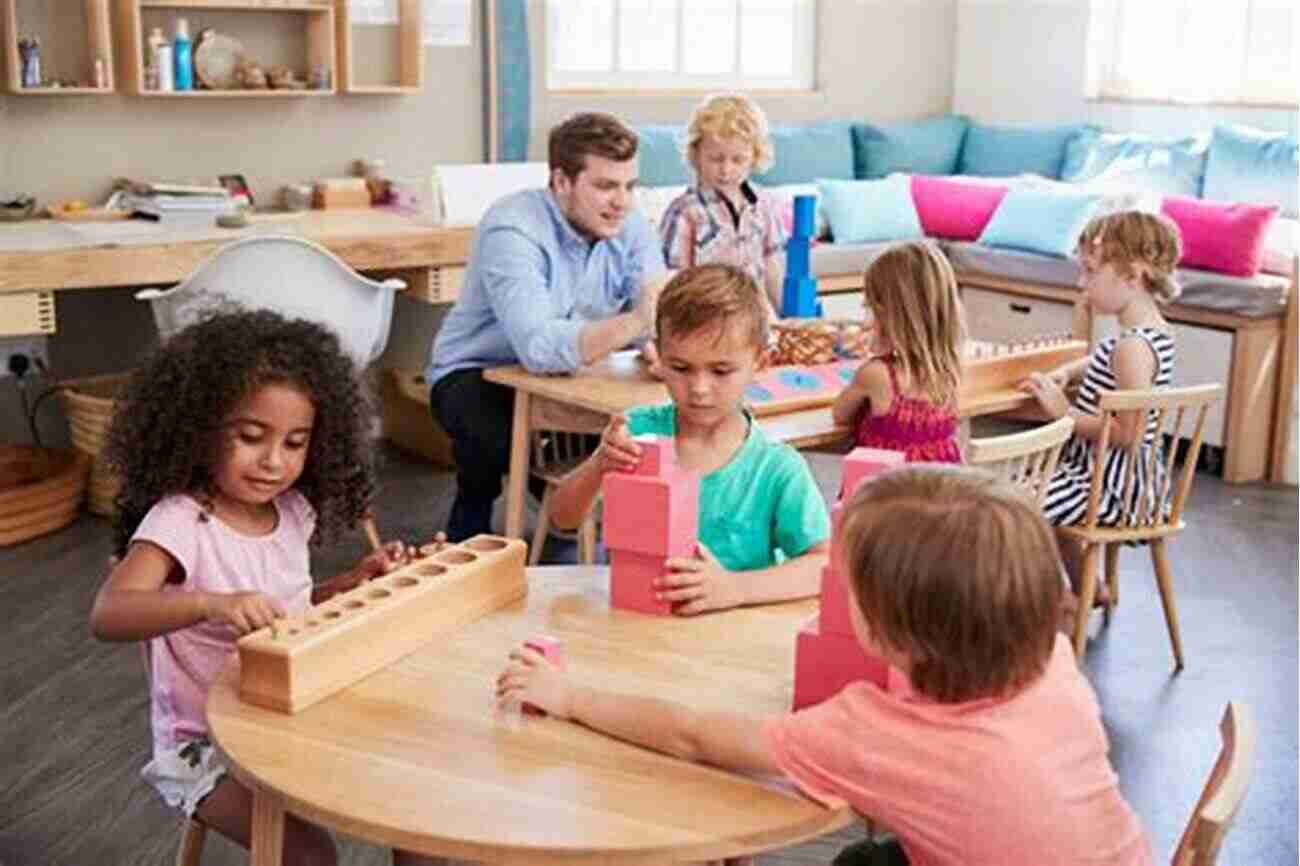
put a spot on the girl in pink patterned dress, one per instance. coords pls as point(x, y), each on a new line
point(904, 396)
point(244, 438)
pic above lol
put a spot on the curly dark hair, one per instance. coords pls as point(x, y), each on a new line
point(165, 435)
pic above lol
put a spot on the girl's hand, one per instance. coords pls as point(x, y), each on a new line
point(699, 584)
point(377, 563)
point(534, 680)
point(245, 612)
point(1048, 394)
point(618, 451)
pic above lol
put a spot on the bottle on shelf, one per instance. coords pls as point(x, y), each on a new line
point(160, 58)
point(183, 53)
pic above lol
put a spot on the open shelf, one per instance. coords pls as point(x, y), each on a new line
point(97, 44)
point(409, 45)
point(315, 21)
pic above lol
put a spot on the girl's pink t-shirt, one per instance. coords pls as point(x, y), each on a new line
point(216, 558)
point(1022, 780)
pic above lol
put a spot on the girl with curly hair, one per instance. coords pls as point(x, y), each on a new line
point(242, 440)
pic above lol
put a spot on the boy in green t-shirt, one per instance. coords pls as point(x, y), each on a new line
point(763, 525)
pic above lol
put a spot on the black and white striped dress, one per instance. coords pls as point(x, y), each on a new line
point(1066, 502)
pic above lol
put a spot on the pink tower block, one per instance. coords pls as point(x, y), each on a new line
point(631, 582)
point(863, 463)
point(553, 650)
point(653, 515)
point(658, 455)
point(826, 663)
point(834, 617)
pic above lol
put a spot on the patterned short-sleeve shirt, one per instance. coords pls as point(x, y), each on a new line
point(701, 226)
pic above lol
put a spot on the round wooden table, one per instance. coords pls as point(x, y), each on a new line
point(417, 756)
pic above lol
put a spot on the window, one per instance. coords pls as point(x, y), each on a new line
point(680, 44)
point(1236, 52)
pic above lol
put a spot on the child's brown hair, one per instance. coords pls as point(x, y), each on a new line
point(1137, 242)
point(730, 116)
point(708, 296)
point(959, 572)
point(912, 291)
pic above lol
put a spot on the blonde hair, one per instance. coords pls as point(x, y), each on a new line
point(730, 116)
point(912, 291)
point(711, 295)
point(959, 572)
point(1137, 242)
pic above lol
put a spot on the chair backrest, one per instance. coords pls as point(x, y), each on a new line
point(1163, 412)
point(556, 452)
point(1224, 791)
point(292, 276)
point(1027, 459)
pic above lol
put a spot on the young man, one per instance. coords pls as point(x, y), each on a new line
point(557, 278)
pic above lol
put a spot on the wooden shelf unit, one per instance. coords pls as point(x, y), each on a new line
point(319, 23)
point(99, 44)
point(410, 46)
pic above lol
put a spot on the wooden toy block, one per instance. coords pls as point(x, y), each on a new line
point(863, 463)
point(656, 515)
point(352, 635)
point(826, 663)
point(552, 649)
point(1004, 371)
point(631, 582)
point(658, 455)
point(833, 614)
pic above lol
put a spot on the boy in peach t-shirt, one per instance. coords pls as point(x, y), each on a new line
point(997, 754)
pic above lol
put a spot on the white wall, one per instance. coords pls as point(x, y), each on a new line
point(1024, 61)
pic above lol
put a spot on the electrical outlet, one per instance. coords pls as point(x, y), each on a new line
point(33, 347)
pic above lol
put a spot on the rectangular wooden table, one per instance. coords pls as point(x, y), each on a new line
point(417, 756)
point(585, 401)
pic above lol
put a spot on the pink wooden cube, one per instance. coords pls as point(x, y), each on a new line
point(834, 618)
point(658, 455)
point(863, 463)
point(652, 515)
point(631, 582)
point(826, 663)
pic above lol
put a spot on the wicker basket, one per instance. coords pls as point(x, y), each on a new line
point(804, 341)
point(89, 404)
point(40, 490)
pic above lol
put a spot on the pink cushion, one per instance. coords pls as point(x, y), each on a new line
point(1228, 238)
point(953, 209)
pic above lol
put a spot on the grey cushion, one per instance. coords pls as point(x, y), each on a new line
point(833, 259)
point(1024, 267)
point(1259, 297)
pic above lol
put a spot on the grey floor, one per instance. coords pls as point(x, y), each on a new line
point(73, 713)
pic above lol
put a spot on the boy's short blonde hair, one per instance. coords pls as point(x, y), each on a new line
point(730, 116)
point(706, 296)
point(1129, 239)
point(912, 291)
point(959, 572)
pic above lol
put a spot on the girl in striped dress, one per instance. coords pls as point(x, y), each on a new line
point(1127, 261)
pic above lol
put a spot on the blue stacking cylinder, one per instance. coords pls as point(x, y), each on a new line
point(799, 292)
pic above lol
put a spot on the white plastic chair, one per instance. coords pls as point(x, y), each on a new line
point(291, 276)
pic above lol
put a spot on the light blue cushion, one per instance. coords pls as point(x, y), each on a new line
point(862, 211)
point(1255, 166)
point(810, 152)
point(1138, 163)
point(660, 155)
point(1004, 151)
point(929, 146)
point(1040, 221)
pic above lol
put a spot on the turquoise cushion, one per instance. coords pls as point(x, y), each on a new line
point(1004, 151)
point(928, 146)
point(1138, 163)
point(1252, 165)
point(660, 154)
point(1040, 221)
point(809, 152)
point(861, 211)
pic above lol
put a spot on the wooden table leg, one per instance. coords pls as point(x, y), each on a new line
point(516, 484)
point(268, 828)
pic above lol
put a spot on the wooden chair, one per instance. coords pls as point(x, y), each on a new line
point(193, 831)
point(1153, 519)
point(555, 455)
point(1224, 791)
point(1027, 459)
